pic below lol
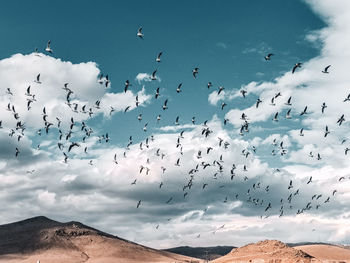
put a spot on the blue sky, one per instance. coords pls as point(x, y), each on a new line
point(190, 34)
point(227, 42)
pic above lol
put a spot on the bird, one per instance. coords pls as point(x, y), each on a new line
point(139, 33)
point(153, 75)
point(138, 204)
point(346, 150)
point(126, 85)
point(326, 132)
point(301, 132)
point(268, 56)
point(17, 152)
point(310, 180)
point(223, 104)
point(157, 93)
point(341, 120)
point(304, 111)
point(158, 57)
point(127, 108)
point(48, 48)
point(326, 69)
point(178, 89)
point(275, 118)
point(290, 184)
point(288, 103)
point(221, 88)
point(258, 101)
point(145, 127)
point(209, 85)
point(288, 114)
point(177, 121)
point(195, 72)
point(73, 144)
point(165, 104)
point(323, 107)
point(37, 80)
point(297, 65)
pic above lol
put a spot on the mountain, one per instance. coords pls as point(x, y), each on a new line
point(201, 252)
point(327, 253)
point(266, 251)
point(43, 239)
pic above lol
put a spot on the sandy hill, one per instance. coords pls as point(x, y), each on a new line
point(266, 251)
point(46, 240)
point(327, 252)
point(201, 252)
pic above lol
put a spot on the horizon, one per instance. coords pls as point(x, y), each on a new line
point(145, 149)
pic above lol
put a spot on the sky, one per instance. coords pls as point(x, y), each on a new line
point(202, 183)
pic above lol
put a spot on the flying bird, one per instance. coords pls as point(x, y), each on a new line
point(37, 80)
point(158, 57)
point(195, 72)
point(221, 88)
point(258, 101)
point(341, 120)
point(326, 69)
point(153, 76)
point(297, 65)
point(165, 105)
point(326, 132)
point(304, 111)
point(126, 85)
point(268, 56)
point(157, 93)
point(288, 103)
point(73, 144)
point(48, 48)
point(178, 89)
point(139, 33)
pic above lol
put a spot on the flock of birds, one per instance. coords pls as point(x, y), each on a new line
point(66, 143)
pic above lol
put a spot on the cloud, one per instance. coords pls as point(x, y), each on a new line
point(20, 71)
point(145, 77)
point(221, 45)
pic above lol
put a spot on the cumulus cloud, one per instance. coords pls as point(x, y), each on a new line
point(145, 77)
point(20, 71)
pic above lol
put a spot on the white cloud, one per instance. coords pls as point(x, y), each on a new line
point(46, 198)
point(19, 71)
point(145, 77)
point(221, 45)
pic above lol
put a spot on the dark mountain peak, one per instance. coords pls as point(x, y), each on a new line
point(34, 222)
